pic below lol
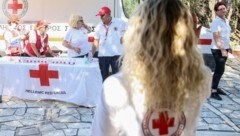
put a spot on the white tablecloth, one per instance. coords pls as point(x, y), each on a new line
point(80, 83)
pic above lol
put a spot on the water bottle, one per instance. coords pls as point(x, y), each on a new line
point(85, 60)
point(90, 56)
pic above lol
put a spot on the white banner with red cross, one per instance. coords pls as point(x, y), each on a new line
point(79, 84)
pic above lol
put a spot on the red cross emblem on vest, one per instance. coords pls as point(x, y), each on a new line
point(163, 122)
point(43, 74)
point(15, 6)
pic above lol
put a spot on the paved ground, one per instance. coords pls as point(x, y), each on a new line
point(222, 118)
point(53, 118)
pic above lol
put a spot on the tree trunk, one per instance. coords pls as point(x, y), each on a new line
point(211, 7)
point(231, 7)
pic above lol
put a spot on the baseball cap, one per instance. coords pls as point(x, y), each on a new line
point(42, 23)
point(13, 18)
point(103, 11)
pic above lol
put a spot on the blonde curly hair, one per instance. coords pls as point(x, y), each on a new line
point(160, 55)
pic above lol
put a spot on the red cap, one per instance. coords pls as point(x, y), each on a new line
point(13, 18)
point(103, 11)
point(42, 23)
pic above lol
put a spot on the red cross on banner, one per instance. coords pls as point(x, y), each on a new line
point(163, 122)
point(15, 6)
point(43, 74)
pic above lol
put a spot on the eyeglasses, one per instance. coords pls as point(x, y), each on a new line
point(221, 9)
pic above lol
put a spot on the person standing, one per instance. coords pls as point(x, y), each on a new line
point(108, 39)
point(37, 45)
point(13, 37)
point(220, 46)
point(76, 39)
point(163, 81)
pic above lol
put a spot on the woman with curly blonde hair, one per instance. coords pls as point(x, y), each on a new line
point(163, 82)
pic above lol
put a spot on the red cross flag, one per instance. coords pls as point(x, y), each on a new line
point(44, 74)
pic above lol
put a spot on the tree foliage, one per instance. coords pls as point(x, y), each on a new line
point(204, 11)
point(129, 6)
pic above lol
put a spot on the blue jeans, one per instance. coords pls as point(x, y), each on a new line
point(106, 62)
point(220, 67)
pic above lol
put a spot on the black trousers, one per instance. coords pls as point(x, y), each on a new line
point(106, 62)
point(220, 67)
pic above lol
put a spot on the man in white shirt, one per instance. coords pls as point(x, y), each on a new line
point(108, 40)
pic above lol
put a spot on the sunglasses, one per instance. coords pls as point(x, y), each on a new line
point(80, 21)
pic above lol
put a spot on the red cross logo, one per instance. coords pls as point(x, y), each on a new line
point(44, 74)
point(15, 6)
point(163, 122)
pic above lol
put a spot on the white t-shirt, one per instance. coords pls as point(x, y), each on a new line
point(11, 40)
point(121, 113)
point(78, 38)
point(109, 38)
point(224, 29)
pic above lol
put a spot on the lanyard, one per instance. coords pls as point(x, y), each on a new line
point(107, 28)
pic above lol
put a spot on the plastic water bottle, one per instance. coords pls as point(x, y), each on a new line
point(90, 56)
point(85, 60)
